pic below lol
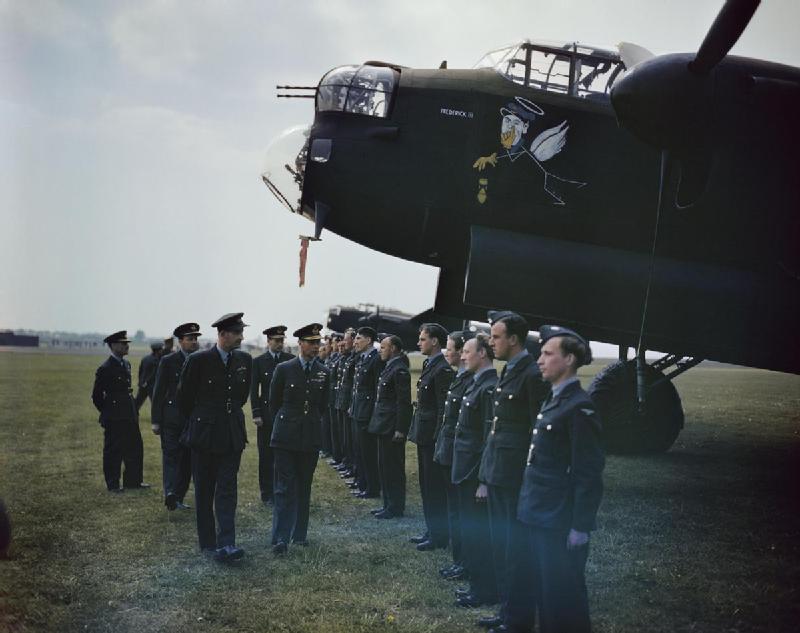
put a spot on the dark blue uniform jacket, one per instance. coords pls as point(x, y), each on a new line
point(563, 482)
point(474, 421)
point(432, 386)
point(112, 393)
point(446, 433)
point(365, 382)
point(393, 399)
point(164, 410)
point(263, 371)
point(296, 404)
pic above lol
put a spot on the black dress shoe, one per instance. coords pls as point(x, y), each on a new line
point(470, 601)
point(460, 574)
point(387, 515)
point(462, 591)
point(490, 621)
point(444, 571)
point(428, 546)
point(182, 506)
point(418, 539)
point(171, 501)
point(139, 486)
point(453, 570)
point(228, 553)
point(377, 510)
point(280, 548)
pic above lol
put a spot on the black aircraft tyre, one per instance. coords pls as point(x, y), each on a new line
point(626, 431)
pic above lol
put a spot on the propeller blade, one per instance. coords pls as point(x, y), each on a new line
point(731, 21)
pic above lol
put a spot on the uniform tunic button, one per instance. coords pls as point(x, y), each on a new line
point(496, 402)
point(549, 427)
point(511, 395)
point(229, 386)
point(463, 398)
point(539, 417)
point(498, 389)
point(535, 431)
point(495, 419)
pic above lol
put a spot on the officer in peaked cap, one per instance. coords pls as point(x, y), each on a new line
point(113, 396)
point(213, 388)
point(263, 371)
point(297, 398)
point(147, 373)
point(561, 491)
point(167, 420)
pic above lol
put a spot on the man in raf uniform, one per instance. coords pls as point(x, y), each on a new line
point(560, 495)
point(213, 388)
point(474, 420)
point(263, 371)
point(365, 378)
point(113, 396)
point(332, 365)
point(297, 398)
point(390, 421)
point(443, 451)
point(518, 397)
point(344, 395)
point(432, 387)
point(147, 373)
point(167, 420)
point(323, 356)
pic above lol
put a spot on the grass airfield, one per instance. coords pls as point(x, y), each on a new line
point(701, 539)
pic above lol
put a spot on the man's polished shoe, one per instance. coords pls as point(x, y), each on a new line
point(418, 539)
point(333, 462)
point(228, 553)
point(171, 501)
point(377, 510)
point(387, 515)
point(140, 486)
point(182, 506)
point(490, 621)
point(459, 574)
point(280, 548)
point(208, 551)
point(469, 602)
point(444, 571)
point(428, 546)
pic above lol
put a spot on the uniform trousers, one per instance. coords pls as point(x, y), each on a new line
point(358, 456)
point(176, 462)
point(122, 443)
point(434, 497)
point(266, 460)
point(453, 513)
point(508, 536)
point(326, 432)
point(336, 440)
point(368, 442)
point(215, 492)
point(476, 542)
point(552, 581)
point(392, 469)
point(344, 436)
point(294, 472)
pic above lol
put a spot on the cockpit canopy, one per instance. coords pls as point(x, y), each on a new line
point(366, 89)
point(570, 69)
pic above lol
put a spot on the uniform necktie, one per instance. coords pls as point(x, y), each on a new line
point(503, 373)
point(308, 370)
point(425, 363)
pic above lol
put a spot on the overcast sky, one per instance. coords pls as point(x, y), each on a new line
point(132, 136)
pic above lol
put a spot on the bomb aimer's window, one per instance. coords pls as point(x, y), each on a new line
point(365, 90)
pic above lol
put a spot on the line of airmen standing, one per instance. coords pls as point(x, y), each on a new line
point(510, 469)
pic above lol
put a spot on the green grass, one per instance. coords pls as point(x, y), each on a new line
point(703, 538)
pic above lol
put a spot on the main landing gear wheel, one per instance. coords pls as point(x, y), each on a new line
point(626, 430)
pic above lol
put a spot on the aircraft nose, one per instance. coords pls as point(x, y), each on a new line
point(285, 166)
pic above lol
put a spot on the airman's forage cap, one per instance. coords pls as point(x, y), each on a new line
point(546, 332)
point(185, 329)
point(230, 322)
point(310, 332)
